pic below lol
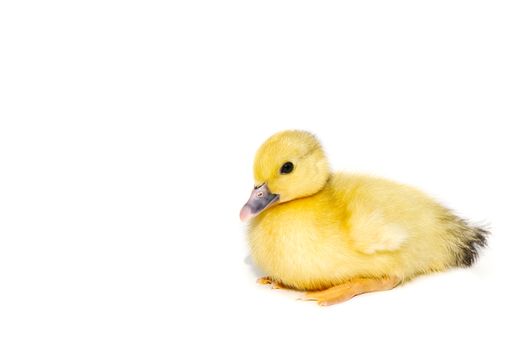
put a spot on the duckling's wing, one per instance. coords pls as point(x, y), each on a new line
point(371, 232)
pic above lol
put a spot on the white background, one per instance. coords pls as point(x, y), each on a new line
point(127, 132)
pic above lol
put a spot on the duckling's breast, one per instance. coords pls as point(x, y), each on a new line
point(303, 244)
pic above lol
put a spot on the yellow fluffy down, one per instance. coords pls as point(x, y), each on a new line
point(349, 226)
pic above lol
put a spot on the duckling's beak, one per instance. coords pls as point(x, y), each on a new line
point(261, 198)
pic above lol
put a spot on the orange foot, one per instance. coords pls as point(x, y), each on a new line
point(274, 284)
point(348, 290)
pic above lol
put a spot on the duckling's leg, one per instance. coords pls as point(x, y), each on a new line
point(348, 290)
point(268, 280)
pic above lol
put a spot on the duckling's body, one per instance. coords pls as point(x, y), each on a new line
point(355, 226)
point(354, 233)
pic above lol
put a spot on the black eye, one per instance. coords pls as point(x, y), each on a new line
point(286, 168)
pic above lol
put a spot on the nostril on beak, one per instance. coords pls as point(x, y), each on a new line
point(260, 194)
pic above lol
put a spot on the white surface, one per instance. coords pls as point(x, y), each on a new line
point(127, 131)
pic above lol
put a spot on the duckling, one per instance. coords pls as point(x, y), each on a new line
point(336, 235)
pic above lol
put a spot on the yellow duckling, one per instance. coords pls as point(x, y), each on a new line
point(338, 235)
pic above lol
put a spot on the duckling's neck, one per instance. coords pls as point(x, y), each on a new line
point(321, 201)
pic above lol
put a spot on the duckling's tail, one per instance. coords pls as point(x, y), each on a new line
point(470, 239)
point(477, 240)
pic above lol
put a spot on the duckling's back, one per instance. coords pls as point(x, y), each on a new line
point(385, 217)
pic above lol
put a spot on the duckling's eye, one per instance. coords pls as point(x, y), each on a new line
point(286, 168)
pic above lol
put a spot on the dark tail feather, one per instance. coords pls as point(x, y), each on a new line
point(473, 243)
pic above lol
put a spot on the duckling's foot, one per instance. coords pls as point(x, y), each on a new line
point(268, 280)
point(348, 290)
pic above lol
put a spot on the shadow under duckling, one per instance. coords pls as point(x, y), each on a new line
point(337, 235)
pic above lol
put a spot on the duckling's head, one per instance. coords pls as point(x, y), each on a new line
point(289, 165)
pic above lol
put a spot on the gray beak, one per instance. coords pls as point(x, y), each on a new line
point(261, 198)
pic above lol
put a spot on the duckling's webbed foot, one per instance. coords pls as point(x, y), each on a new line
point(348, 290)
point(268, 280)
